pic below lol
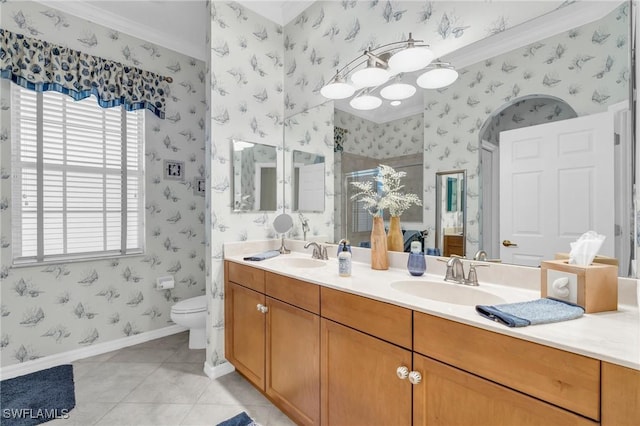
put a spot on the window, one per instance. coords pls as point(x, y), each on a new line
point(78, 178)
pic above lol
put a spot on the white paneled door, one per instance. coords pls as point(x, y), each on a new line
point(556, 182)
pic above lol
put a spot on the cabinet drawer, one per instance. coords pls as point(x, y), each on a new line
point(448, 396)
point(568, 380)
point(247, 276)
point(295, 292)
point(383, 320)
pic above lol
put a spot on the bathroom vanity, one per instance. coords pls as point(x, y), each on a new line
point(355, 351)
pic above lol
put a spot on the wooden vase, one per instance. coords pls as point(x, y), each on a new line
point(379, 258)
point(395, 240)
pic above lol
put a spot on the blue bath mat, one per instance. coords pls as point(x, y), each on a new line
point(241, 419)
point(37, 397)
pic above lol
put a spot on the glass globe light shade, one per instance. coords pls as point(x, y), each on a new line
point(337, 90)
point(437, 78)
point(370, 77)
point(411, 59)
point(398, 91)
point(365, 102)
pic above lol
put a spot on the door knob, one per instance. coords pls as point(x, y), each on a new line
point(261, 308)
point(402, 372)
point(508, 243)
point(415, 377)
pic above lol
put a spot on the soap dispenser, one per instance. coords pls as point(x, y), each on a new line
point(416, 264)
point(344, 260)
point(341, 245)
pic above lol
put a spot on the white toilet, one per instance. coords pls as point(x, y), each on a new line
point(192, 313)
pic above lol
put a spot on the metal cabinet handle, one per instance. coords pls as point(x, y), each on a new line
point(508, 243)
point(415, 377)
point(261, 308)
point(402, 372)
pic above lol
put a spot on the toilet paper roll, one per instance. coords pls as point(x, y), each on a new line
point(164, 283)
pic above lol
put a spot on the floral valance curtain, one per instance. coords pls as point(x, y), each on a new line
point(41, 66)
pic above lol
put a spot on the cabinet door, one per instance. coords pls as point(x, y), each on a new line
point(620, 395)
point(244, 332)
point(293, 361)
point(448, 396)
point(359, 384)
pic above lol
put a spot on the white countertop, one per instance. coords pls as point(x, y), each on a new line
point(609, 336)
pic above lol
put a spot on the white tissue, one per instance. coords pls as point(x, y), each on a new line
point(585, 248)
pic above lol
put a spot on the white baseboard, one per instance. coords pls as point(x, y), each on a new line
point(89, 351)
point(219, 370)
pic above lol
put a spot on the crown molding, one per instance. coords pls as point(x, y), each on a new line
point(540, 28)
point(90, 12)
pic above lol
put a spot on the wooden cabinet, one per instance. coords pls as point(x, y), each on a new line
point(293, 361)
point(452, 244)
point(245, 332)
point(449, 396)
point(620, 395)
point(329, 357)
point(562, 378)
point(275, 343)
point(359, 381)
point(362, 347)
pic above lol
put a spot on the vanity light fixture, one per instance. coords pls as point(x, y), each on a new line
point(442, 75)
point(365, 102)
point(381, 64)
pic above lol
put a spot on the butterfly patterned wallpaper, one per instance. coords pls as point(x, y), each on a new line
point(247, 92)
point(312, 132)
point(381, 140)
point(55, 308)
point(329, 34)
point(528, 112)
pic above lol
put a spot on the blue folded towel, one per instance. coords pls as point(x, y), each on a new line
point(264, 255)
point(541, 311)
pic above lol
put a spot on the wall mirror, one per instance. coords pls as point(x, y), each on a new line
point(451, 212)
point(583, 64)
point(254, 176)
point(307, 182)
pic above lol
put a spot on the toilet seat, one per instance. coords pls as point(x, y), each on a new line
point(192, 305)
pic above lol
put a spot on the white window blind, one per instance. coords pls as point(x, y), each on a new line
point(78, 174)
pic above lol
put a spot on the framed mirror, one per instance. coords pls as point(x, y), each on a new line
point(307, 184)
point(451, 212)
point(254, 176)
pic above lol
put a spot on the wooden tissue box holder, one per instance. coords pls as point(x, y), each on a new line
point(594, 287)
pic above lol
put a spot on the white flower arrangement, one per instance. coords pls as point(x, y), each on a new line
point(390, 197)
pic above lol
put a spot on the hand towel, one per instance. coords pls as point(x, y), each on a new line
point(264, 255)
point(541, 311)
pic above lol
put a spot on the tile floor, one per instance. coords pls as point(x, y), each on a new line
point(161, 382)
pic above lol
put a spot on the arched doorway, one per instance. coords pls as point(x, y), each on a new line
point(521, 112)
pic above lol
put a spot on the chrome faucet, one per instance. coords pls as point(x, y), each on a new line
point(480, 255)
point(319, 251)
point(455, 272)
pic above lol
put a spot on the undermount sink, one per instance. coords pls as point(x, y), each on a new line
point(299, 262)
point(449, 293)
